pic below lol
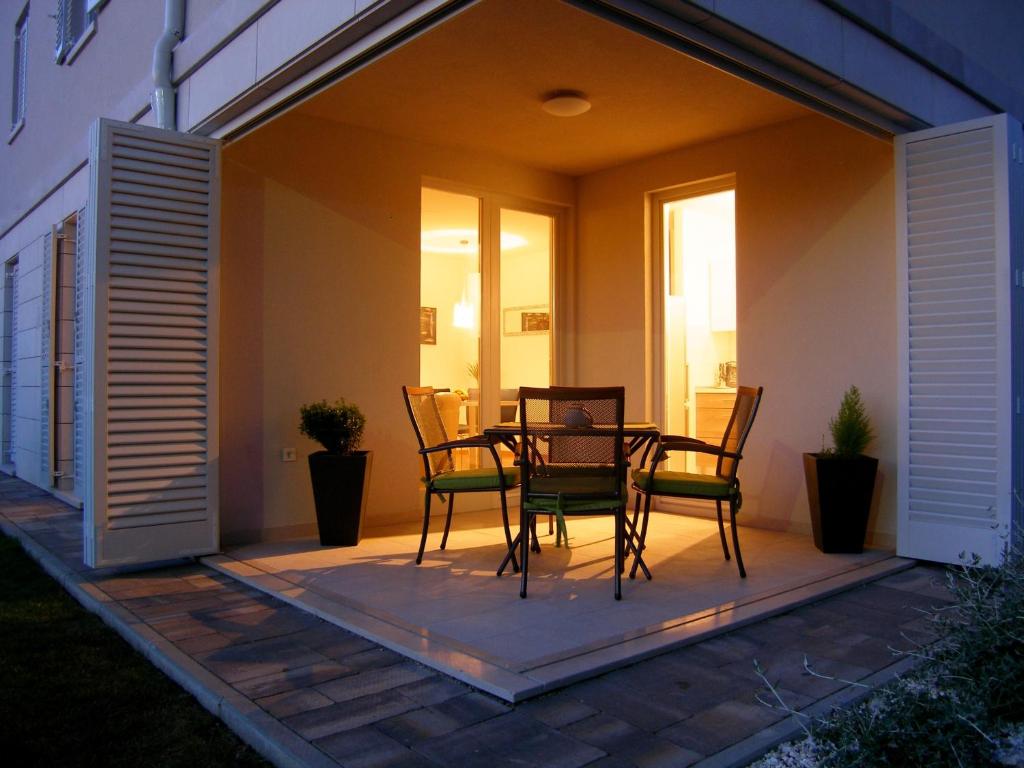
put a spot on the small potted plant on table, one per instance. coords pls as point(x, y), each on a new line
point(841, 480)
point(340, 473)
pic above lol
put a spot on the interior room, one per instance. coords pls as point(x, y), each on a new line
point(687, 233)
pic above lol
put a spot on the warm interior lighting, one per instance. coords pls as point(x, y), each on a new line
point(448, 240)
point(462, 317)
point(462, 241)
point(565, 104)
point(466, 310)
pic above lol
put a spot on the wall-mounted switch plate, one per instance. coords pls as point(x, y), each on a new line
point(287, 454)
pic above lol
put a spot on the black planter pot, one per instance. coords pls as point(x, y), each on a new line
point(340, 487)
point(839, 491)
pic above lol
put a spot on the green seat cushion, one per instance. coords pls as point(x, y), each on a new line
point(589, 485)
point(475, 479)
point(683, 483)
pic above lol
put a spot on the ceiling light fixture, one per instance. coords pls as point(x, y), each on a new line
point(565, 104)
point(462, 241)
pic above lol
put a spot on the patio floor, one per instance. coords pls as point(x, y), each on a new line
point(452, 613)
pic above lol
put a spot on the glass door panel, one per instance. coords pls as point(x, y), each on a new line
point(525, 293)
point(485, 307)
point(699, 247)
point(450, 309)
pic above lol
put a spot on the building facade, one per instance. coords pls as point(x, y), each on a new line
point(172, 296)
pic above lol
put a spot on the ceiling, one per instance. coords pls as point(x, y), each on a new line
point(477, 81)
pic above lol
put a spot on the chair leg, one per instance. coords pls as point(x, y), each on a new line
point(510, 555)
point(426, 527)
point(508, 537)
point(620, 542)
point(448, 520)
point(721, 528)
point(535, 539)
point(640, 544)
point(736, 538)
point(525, 521)
point(551, 524)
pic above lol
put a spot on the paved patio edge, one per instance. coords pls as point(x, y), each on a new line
point(742, 753)
point(265, 734)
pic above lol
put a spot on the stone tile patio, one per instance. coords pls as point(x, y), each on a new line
point(306, 692)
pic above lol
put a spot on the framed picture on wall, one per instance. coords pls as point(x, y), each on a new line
point(428, 325)
point(526, 321)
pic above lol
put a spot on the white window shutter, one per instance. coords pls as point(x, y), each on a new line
point(151, 307)
point(955, 486)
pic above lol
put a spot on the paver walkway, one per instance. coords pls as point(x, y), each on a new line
point(305, 692)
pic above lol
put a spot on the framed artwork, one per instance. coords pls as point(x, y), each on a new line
point(428, 325)
point(526, 321)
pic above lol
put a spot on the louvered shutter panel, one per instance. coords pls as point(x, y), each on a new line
point(151, 345)
point(64, 41)
point(80, 398)
point(955, 485)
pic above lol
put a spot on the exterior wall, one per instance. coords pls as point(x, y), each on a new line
point(29, 243)
point(238, 57)
point(110, 76)
point(816, 302)
point(321, 266)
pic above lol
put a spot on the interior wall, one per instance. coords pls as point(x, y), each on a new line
point(321, 294)
point(816, 294)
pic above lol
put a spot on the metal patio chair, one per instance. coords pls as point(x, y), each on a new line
point(573, 461)
point(440, 477)
point(723, 486)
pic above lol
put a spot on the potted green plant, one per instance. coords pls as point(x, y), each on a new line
point(340, 472)
point(841, 480)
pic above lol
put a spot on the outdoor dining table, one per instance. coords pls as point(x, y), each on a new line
point(640, 434)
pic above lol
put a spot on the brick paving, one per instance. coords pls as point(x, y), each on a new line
point(352, 703)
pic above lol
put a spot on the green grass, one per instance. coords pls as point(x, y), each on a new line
point(72, 692)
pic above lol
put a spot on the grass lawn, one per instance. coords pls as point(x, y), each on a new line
point(72, 692)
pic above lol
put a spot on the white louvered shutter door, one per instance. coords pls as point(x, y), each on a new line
point(953, 220)
point(151, 346)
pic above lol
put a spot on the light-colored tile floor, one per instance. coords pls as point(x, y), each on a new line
point(453, 612)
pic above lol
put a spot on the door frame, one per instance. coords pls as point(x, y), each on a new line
point(489, 227)
point(654, 311)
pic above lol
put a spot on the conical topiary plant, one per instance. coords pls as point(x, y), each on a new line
point(851, 428)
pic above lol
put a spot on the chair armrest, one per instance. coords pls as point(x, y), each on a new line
point(475, 441)
point(692, 444)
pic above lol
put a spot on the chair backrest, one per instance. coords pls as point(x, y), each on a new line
point(426, 420)
point(572, 432)
point(508, 412)
point(743, 412)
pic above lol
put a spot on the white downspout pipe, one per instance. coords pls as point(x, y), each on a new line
point(163, 92)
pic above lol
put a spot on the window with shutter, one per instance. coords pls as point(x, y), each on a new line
point(20, 70)
point(7, 383)
point(75, 22)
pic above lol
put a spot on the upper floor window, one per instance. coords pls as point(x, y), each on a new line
point(76, 21)
point(20, 68)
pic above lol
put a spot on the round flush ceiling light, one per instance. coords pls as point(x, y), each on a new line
point(565, 104)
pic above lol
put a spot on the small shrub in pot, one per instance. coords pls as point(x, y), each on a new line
point(340, 473)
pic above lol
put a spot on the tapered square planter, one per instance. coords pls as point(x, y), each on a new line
point(341, 485)
point(839, 492)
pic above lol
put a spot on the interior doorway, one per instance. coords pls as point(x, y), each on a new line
point(699, 367)
point(486, 317)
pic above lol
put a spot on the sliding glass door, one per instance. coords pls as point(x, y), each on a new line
point(485, 304)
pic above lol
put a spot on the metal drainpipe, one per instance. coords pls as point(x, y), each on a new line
point(163, 92)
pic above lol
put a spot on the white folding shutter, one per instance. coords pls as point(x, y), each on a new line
point(151, 346)
point(955, 485)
